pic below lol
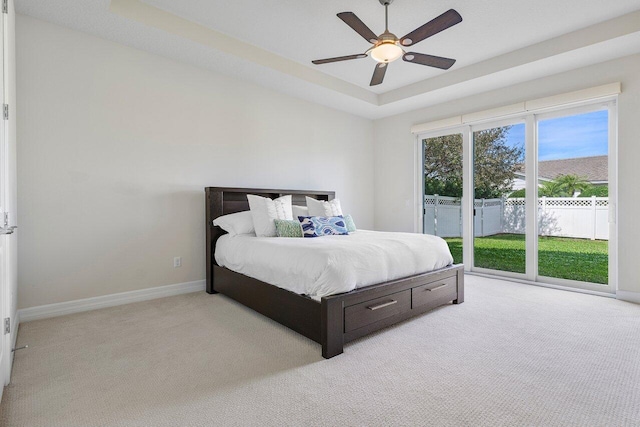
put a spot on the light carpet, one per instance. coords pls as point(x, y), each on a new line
point(512, 354)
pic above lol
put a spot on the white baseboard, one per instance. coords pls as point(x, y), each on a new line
point(86, 304)
point(628, 296)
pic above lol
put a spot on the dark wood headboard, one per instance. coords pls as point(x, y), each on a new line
point(224, 200)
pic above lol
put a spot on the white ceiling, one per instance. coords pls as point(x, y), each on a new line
point(272, 43)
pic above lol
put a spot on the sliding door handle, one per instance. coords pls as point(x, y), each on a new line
point(8, 230)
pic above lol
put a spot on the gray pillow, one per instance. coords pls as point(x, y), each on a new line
point(348, 221)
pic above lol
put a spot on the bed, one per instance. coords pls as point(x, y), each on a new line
point(331, 320)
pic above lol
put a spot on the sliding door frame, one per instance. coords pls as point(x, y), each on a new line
point(530, 119)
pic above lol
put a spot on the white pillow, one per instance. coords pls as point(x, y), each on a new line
point(265, 211)
point(299, 211)
point(322, 208)
point(236, 223)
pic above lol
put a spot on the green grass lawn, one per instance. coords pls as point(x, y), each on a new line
point(576, 259)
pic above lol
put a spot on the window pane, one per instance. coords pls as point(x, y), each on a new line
point(443, 190)
point(573, 189)
point(499, 206)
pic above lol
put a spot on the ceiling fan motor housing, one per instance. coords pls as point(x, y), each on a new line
point(387, 37)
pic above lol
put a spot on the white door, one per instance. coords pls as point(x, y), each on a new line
point(8, 212)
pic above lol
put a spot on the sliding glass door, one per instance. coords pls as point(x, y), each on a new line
point(531, 197)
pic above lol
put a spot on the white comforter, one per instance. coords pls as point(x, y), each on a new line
point(332, 264)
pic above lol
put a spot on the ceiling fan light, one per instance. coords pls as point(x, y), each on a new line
point(386, 52)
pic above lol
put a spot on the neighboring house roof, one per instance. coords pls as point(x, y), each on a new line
point(594, 168)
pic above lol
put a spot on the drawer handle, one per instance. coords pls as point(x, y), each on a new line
point(437, 287)
point(383, 305)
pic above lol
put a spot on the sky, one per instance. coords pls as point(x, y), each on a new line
point(567, 137)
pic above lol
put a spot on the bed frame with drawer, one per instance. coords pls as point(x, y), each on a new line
point(336, 319)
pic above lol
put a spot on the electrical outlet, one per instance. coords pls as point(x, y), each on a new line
point(177, 262)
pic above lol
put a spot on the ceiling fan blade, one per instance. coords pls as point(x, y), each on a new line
point(429, 60)
point(358, 26)
point(339, 58)
point(441, 23)
point(378, 73)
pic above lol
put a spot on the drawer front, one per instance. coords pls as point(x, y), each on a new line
point(365, 313)
point(434, 294)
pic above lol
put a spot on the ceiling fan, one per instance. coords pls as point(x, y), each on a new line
point(387, 47)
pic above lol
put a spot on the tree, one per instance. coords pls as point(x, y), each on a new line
point(495, 164)
point(552, 189)
point(572, 183)
point(596, 190)
point(567, 186)
point(443, 166)
point(518, 194)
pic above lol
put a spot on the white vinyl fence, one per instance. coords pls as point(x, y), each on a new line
point(585, 218)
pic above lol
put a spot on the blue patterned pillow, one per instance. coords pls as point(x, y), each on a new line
point(316, 226)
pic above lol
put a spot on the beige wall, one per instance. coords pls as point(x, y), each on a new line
point(116, 146)
point(395, 155)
